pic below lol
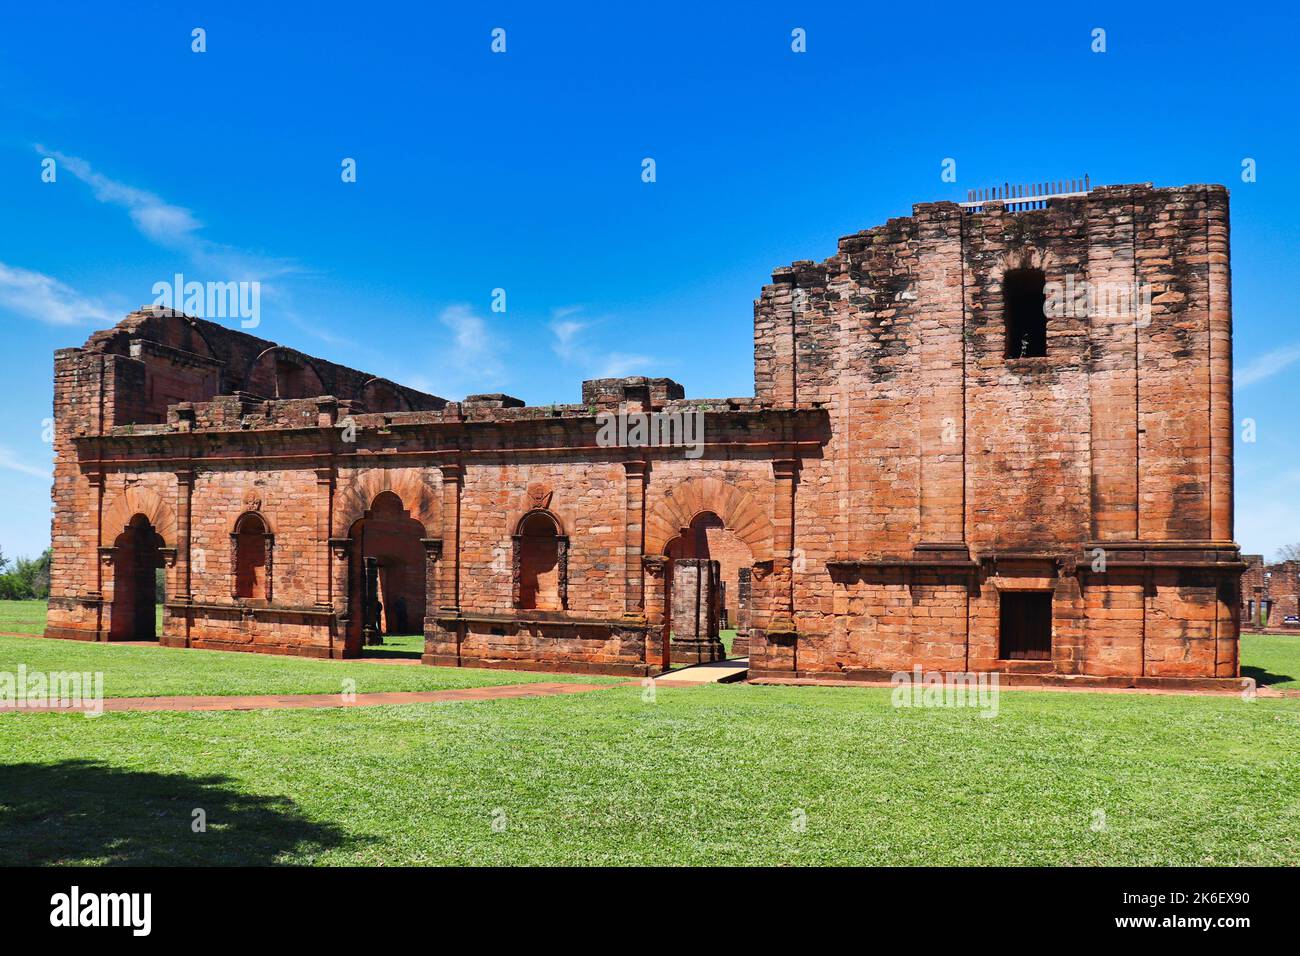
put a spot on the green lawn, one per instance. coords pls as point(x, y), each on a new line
point(1272, 659)
point(716, 774)
point(22, 617)
point(164, 671)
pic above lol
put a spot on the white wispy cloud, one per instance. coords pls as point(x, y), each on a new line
point(46, 299)
point(11, 462)
point(572, 342)
point(1267, 365)
point(158, 220)
point(472, 366)
point(170, 225)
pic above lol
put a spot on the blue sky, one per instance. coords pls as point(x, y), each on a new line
point(522, 171)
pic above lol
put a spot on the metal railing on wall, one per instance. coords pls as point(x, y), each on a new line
point(1018, 197)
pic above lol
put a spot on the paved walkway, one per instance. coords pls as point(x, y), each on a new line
point(716, 672)
point(294, 701)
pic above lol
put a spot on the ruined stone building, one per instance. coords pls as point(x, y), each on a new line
point(944, 464)
point(1270, 594)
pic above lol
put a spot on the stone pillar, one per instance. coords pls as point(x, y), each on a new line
point(96, 481)
point(634, 542)
point(184, 503)
point(432, 552)
point(656, 642)
point(449, 583)
point(341, 622)
point(443, 633)
point(775, 647)
point(695, 611)
point(785, 471)
point(324, 528)
point(744, 595)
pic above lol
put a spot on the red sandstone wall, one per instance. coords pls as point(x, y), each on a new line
point(1121, 433)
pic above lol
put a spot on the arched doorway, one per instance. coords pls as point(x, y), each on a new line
point(137, 558)
point(707, 537)
point(387, 580)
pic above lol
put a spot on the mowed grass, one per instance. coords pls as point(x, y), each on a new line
point(730, 774)
point(164, 671)
point(1272, 659)
point(22, 617)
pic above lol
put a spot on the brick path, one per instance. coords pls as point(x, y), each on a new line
point(292, 701)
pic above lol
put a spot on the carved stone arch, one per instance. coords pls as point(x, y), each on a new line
point(136, 500)
point(740, 512)
point(1024, 257)
point(419, 496)
point(256, 513)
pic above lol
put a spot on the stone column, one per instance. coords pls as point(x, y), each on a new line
point(184, 503)
point(634, 542)
point(449, 583)
point(432, 552)
point(324, 528)
point(656, 640)
point(785, 471)
point(341, 561)
point(775, 647)
point(695, 611)
point(744, 592)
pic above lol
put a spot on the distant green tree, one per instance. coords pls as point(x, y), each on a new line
point(28, 579)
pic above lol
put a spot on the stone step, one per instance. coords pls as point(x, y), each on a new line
point(715, 672)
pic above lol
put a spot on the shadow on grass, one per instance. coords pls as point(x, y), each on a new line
point(397, 647)
point(84, 811)
point(1264, 677)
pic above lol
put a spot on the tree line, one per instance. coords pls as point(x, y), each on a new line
point(25, 578)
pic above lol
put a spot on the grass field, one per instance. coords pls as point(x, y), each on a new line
point(715, 774)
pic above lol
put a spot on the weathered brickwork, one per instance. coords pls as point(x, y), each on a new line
point(908, 476)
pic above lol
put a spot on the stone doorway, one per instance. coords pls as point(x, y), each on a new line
point(694, 601)
point(387, 581)
point(137, 557)
point(708, 538)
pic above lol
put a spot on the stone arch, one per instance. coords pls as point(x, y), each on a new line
point(1024, 257)
point(419, 497)
point(680, 505)
point(383, 395)
point(136, 500)
point(263, 378)
point(253, 513)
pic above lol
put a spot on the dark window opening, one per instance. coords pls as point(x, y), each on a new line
point(1026, 626)
point(1023, 299)
point(251, 559)
point(538, 586)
